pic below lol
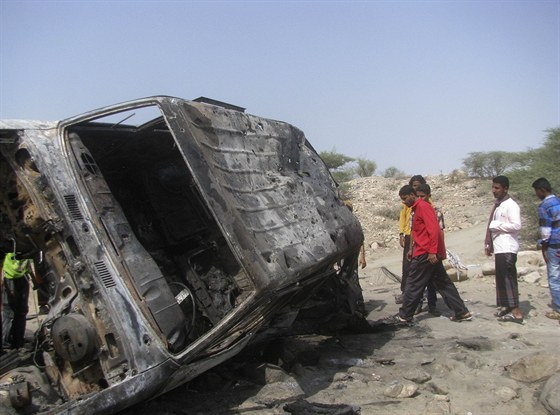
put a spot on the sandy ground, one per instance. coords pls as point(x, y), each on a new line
point(472, 380)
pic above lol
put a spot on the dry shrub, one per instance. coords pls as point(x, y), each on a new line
point(389, 212)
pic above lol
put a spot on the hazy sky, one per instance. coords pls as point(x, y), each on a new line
point(411, 84)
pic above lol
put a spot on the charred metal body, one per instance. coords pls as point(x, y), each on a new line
point(171, 234)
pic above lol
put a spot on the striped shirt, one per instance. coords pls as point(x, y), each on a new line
point(549, 220)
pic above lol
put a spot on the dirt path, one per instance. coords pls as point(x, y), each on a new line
point(466, 363)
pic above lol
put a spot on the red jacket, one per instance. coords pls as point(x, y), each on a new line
point(426, 232)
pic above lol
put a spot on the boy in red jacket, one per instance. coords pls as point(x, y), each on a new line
point(425, 264)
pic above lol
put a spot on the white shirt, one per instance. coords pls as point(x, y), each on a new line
point(505, 227)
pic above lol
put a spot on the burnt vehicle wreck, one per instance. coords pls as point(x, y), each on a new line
point(170, 235)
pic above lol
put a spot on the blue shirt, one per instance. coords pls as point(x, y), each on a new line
point(549, 220)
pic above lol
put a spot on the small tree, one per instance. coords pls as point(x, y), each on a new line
point(544, 160)
point(474, 164)
point(540, 162)
point(393, 172)
point(492, 163)
point(334, 160)
point(365, 168)
point(535, 163)
point(336, 164)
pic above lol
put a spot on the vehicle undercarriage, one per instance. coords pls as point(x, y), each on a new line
point(167, 236)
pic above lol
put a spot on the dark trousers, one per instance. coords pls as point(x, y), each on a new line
point(432, 296)
point(421, 272)
point(14, 314)
point(507, 292)
point(405, 262)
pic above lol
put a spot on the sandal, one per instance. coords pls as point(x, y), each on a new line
point(463, 317)
point(509, 317)
point(501, 313)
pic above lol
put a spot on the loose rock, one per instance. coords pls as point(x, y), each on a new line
point(279, 392)
point(550, 395)
point(506, 394)
point(534, 367)
point(417, 376)
point(437, 406)
point(533, 277)
point(400, 390)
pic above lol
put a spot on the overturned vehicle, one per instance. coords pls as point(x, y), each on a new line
point(169, 235)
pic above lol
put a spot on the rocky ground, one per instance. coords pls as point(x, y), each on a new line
point(435, 367)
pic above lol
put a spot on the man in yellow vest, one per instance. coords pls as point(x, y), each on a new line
point(15, 272)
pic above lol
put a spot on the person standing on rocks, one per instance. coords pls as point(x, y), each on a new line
point(404, 235)
point(549, 222)
point(425, 264)
point(502, 240)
